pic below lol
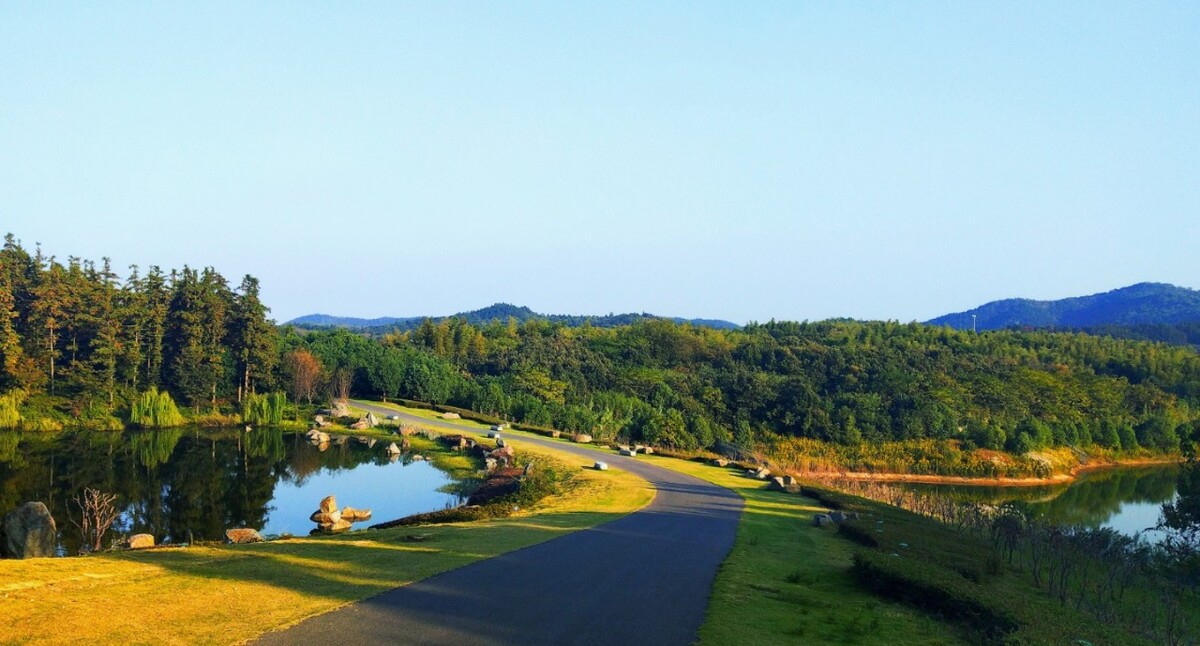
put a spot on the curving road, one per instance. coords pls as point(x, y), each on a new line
point(644, 578)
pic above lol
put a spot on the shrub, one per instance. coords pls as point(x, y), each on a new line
point(266, 409)
point(155, 409)
point(10, 404)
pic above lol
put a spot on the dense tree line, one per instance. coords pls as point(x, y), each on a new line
point(78, 335)
point(839, 381)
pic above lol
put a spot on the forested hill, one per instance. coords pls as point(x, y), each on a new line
point(1141, 304)
point(501, 312)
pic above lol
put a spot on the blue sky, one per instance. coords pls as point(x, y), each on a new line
point(747, 161)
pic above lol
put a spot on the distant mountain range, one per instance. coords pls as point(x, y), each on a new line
point(498, 312)
point(1137, 305)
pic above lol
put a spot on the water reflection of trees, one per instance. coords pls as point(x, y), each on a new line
point(1089, 502)
point(172, 483)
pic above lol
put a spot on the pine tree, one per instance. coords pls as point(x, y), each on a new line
point(252, 337)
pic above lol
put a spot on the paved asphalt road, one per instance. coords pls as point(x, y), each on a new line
point(644, 578)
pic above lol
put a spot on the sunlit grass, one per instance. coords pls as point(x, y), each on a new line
point(217, 594)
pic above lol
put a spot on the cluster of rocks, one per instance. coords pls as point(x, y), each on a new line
point(784, 483)
point(366, 421)
point(761, 473)
point(330, 519)
point(833, 517)
point(631, 451)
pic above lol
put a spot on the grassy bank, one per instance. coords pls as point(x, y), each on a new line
point(219, 594)
point(947, 461)
point(891, 577)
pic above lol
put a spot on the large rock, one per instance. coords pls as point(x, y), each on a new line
point(141, 541)
point(720, 462)
point(326, 518)
point(328, 505)
point(243, 535)
point(371, 420)
point(600, 466)
point(29, 532)
point(341, 409)
point(628, 452)
point(506, 451)
point(393, 449)
point(355, 515)
point(451, 416)
point(340, 526)
point(407, 430)
point(583, 438)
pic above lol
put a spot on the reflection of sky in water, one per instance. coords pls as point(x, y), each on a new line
point(390, 491)
point(1135, 517)
point(1127, 500)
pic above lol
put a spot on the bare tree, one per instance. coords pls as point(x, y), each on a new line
point(98, 512)
point(304, 371)
point(340, 384)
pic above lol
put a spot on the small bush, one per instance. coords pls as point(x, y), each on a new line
point(10, 409)
point(266, 409)
point(155, 409)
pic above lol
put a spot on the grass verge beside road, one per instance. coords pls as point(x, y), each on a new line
point(218, 594)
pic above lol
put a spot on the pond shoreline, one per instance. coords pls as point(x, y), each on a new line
point(1061, 478)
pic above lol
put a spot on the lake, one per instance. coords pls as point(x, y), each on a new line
point(1125, 499)
point(182, 484)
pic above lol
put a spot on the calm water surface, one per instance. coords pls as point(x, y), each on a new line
point(1127, 500)
point(178, 483)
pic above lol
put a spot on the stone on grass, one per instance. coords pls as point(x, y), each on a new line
point(821, 520)
point(582, 438)
point(628, 452)
point(600, 466)
point(720, 462)
point(837, 516)
point(449, 415)
point(242, 535)
point(141, 541)
point(556, 434)
point(29, 532)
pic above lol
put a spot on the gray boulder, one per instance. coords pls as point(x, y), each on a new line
point(821, 520)
point(29, 532)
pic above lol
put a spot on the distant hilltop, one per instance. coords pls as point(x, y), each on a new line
point(498, 312)
point(1140, 304)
